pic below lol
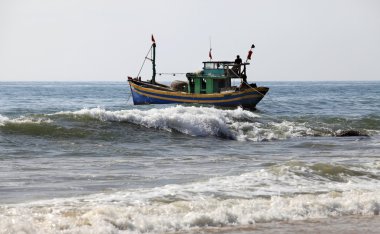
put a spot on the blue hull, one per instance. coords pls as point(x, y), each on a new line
point(246, 98)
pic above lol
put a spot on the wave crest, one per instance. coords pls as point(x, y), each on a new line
point(194, 121)
point(235, 124)
point(23, 120)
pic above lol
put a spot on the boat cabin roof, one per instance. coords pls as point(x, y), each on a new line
point(220, 64)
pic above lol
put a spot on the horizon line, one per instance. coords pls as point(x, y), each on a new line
point(121, 81)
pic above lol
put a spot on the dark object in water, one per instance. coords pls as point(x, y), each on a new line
point(350, 133)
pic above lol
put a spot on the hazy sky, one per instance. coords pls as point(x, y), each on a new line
point(106, 40)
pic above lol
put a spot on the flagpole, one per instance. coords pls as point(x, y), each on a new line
point(154, 61)
point(209, 53)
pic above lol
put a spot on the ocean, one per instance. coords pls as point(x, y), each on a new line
point(80, 158)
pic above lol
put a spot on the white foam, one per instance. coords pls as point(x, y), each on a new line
point(23, 120)
point(89, 216)
point(3, 120)
point(235, 124)
point(194, 121)
point(271, 130)
point(273, 194)
point(204, 121)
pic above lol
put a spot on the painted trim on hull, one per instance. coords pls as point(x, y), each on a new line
point(197, 100)
point(144, 100)
point(226, 96)
point(192, 95)
point(247, 99)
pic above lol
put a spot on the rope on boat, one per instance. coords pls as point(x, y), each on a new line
point(146, 57)
point(171, 73)
point(270, 98)
point(248, 84)
point(130, 94)
point(129, 97)
point(253, 88)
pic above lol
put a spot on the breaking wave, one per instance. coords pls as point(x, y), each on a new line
point(290, 191)
point(235, 124)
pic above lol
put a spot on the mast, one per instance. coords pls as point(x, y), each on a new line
point(154, 63)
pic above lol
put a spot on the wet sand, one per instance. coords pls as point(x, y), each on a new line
point(347, 225)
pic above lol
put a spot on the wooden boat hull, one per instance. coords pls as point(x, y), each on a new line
point(248, 97)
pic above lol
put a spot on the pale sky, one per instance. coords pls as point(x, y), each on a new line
point(106, 40)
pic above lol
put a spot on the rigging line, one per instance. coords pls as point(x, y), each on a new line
point(170, 73)
point(144, 61)
point(253, 88)
point(270, 98)
point(146, 57)
point(130, 94)
point(248, 84)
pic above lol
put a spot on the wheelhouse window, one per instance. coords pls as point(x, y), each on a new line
point(209, 65)
point(214, 65)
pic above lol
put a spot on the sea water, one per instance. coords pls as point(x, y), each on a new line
point(80, 158)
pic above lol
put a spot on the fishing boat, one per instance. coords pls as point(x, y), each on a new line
point(211, 86)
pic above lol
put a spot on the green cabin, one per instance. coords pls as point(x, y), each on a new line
point(215, 77)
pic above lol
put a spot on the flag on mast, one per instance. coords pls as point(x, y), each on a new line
point(250, 52)
point(153, 39)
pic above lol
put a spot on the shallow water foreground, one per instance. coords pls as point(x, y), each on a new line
point(76, 158)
